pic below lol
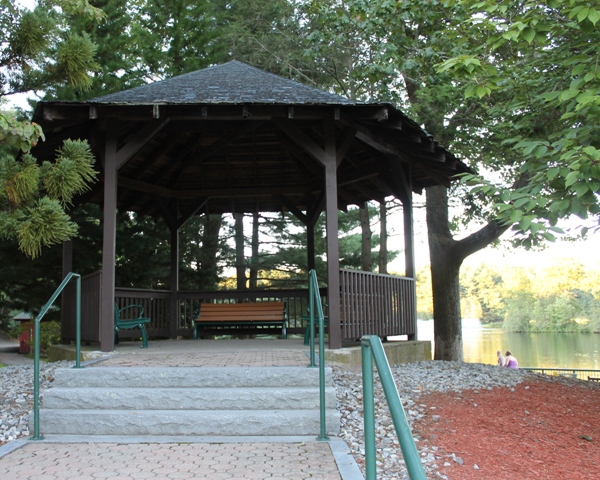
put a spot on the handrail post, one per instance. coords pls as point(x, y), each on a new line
point(314, 303)
point(78, 323)
point(368, 408)
point(36, 379)
point(311, 320)
point(372, 349)
point(36, 353)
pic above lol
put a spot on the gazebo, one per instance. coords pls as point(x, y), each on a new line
point(233, 138)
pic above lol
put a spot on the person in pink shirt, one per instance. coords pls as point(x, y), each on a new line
point(510, 361)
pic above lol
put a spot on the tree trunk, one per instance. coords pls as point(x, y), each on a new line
point(365, 226)
point(383, 250)
point(446, 256)
point(240, 261)
point(210, 248)
point(254, 258)
point(445, 268)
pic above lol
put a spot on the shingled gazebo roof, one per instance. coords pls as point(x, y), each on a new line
point(233, 138)
point(233, 83)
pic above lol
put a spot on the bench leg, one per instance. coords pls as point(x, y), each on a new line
point(284, 331)
point(144, 336)
point(116, 336)
point(196, 332)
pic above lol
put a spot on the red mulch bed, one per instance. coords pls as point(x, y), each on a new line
point(540, 429)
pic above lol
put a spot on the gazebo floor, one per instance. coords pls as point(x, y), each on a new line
point(232, 353)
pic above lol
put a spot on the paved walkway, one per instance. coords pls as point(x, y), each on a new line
point(9, 352)
point(125, 458)
point(83, 461)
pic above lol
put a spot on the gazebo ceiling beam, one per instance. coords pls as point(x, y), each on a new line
point(292, 208)
point(152, 159)
point(189, 156)
point(308, 168)
point(139, 140)
point(344, 144)
point(301, 139)
point(191, 212)
point(166, 192)
point(386, 148)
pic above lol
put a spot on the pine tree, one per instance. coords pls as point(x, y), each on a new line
point(38, 50)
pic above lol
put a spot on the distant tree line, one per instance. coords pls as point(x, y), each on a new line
point(562, 297)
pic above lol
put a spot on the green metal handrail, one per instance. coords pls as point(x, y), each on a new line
point(314, 302)
point(36, 333)
point(371, 348)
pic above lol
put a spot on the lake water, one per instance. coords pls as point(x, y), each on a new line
point(549, 350)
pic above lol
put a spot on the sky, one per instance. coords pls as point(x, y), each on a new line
point(587, 251)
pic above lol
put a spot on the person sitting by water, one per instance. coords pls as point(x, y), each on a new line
point(510, 361)
point(501, 359)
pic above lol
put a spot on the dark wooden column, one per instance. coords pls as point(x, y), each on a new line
point(174, 313)
point(333, 254)
point(409, 249)
point(107, 295)
point(409, 246)
point(310, 246)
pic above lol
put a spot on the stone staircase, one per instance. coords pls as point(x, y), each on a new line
point(187, 401)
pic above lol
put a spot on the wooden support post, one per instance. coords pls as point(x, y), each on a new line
point(107, 295)
point(333, 255)
point(409, 255)
point(310, 245)
point(174, 313)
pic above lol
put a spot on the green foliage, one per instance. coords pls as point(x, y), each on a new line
point(49, 334)
point(39, 49)
point(535, 64)
point(32, 197)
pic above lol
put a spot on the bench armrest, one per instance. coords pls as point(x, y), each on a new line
point(141, 310)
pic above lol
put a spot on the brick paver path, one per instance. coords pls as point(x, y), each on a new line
point(54, 461)
point(270, 358)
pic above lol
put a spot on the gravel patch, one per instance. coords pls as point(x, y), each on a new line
point(412, 380)
point(16, 394)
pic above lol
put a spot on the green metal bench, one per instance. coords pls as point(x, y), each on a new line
point(139, 322)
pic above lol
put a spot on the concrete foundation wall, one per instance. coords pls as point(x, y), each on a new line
point(397, 352)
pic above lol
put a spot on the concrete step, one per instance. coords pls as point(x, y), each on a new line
point(189, 401)
point(189, 423)
point(238, 398)
point(185, 377)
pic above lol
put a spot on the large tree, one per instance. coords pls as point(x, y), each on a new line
point(510, 86)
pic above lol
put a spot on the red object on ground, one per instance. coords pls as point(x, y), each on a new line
point(540, 429)
point(25, 337)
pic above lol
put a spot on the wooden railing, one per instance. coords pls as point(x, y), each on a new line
point(373, 304)
point(156, 305)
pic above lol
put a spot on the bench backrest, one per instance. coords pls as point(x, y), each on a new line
point(241, 312)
